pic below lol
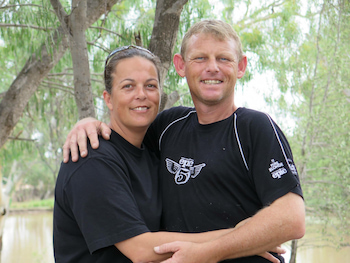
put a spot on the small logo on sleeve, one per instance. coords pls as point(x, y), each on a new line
point(292, 167)
point(184, 170)
point(277, 169)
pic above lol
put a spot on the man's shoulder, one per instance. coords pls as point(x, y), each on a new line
point(173, 114)
point(251, 117)
point(177, 112)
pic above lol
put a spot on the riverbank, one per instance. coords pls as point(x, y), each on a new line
point(32, 206)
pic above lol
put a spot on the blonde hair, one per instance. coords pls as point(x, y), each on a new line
point(216, 28)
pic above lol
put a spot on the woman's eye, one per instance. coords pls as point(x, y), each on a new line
point(128, 86)
point(152, 86)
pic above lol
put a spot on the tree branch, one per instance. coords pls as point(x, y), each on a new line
point(27, 26)
point(36, 69)
point(59, 11)
point(107, 30)
point(20, 5)
point(21, 139)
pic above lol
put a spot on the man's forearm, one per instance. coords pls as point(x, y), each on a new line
point(140, 248)
point(282, 221)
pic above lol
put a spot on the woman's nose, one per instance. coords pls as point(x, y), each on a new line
point(141, 94)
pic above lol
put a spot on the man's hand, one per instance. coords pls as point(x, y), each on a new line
point(184, 252)
point(77, 137)
point(193, 252)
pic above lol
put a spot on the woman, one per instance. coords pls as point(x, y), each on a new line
point(107, 204)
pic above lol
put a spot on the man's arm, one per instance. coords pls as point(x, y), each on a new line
point(140, 248)
point(280, 222)
point(77, 138)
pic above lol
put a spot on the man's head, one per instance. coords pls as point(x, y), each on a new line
point(212, 60)
point(217, 29)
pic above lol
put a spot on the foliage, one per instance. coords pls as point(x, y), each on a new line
point(318, 73)
point(42, 204)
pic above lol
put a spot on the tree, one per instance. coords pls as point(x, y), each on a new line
point(71, 33)
point(43, 83)
point(315, 71)
point(38, 65)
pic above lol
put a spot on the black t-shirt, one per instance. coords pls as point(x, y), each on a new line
point(105, 198)
point(214, 176)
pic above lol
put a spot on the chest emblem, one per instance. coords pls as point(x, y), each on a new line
point(184, 170)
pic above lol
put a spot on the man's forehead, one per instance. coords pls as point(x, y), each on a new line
point(196, 45)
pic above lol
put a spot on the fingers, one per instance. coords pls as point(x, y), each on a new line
point(74, 148)
point(77, 138)
point(70, 146)
point(166, 248)
point(105, 131)
point(82, 144)
point(66, 150)
point(279, 250)
point(270, 257)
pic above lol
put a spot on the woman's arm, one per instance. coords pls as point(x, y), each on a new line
point(140, 248)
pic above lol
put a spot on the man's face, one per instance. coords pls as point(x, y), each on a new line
point(211, 68)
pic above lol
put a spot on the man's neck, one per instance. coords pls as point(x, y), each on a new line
point(213, 113)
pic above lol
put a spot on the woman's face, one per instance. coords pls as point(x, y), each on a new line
point(134, 98)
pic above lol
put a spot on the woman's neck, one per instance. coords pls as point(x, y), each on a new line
point(134, 136)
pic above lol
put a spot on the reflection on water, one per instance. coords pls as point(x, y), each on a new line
point(28, 238)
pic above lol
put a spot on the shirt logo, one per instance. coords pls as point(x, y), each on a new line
point(184, 170)
point(277, 169)
point(292, 167)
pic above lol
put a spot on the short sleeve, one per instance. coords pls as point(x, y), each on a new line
point(271, 162)
point(100, 196)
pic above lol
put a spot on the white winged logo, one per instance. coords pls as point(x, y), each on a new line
point(184, 170)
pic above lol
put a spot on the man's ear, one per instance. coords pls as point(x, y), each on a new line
point(179, 64)
point(107, 98)
point(242, 66)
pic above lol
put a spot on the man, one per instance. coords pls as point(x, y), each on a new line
point(219, 164)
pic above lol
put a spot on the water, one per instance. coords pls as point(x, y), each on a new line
point(28, 238)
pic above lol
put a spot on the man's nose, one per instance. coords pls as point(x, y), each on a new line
point(212, 65)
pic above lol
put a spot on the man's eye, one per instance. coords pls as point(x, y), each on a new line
point(128, 86)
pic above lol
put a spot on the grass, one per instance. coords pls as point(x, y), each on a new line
point(39, 204)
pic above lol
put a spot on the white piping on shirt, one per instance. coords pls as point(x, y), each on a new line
point(276, 134)
point(167, 127)
point(239, 142)
point(279, 141)
point(236, 134)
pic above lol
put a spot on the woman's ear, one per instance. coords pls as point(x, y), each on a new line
point(108, 99)
point(179, 64)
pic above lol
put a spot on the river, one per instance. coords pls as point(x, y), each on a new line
point(28, 238)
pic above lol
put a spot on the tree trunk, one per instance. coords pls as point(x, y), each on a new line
point(164, 34)
point(36, 69)
point(293, 252)
point(81, 66)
